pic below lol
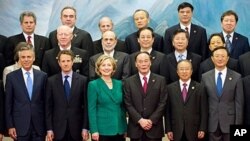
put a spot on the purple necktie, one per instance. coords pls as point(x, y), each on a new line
point(184, 92)
point(145, 84)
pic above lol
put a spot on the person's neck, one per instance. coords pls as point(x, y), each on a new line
point(180, 51)
point(186, 24)
point(220, 68)
point(107, 78)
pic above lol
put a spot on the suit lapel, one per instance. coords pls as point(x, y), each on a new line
point(139, 84)
point(74, 83)
point(191, 90)
point(106, 90)
point(177, 91)
point(227, 82)
point(173, 60)
point(234, 41)
point(213, 83)
point(75, 34)
point(151, 83)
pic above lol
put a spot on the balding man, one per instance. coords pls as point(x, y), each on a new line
point(106, 24)
point(109, 44)
point(64, 37)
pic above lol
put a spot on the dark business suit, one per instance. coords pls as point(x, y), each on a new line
point(131, 42)
point(123, 66)
point(50, 63)
point(158, 64)
point(2, 65)
point(228, 108)
point(187, 117)
point(208, 65)
point(21, 112)
point(3, 40)
point(171, 72)
point(63, 113)
point(120, 46)
point(81, 39)
point(246, 88)
point(244, 64)
point(197, 42)
point(240, 45)
point(149, 105)
point(41, 44)
point(2, 120)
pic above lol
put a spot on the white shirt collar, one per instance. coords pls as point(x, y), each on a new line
point(177, 54)
point(110, 54)
point(182, 82)
point(141, 77)
point(68, 48)
point(183, 27)
point(149, 50)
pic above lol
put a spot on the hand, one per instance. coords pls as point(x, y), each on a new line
point(201, 134)
point(95, 136)
point(146, 124)
point(50, 135)
point(85, 135)
point(12, 133)
point(1, 137)
point(170, 136)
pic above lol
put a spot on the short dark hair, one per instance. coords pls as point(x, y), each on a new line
point(138, 10)
point(142, 52)
point(179, 30)
point(229, 13)
point(27, 13)
point(184, 5)
point(68, 7)
point(216, 34)
point(218, 48)
point(145, 28)
point(66, 52)
point(20, 46)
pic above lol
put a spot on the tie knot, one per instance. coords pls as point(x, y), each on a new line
point(145, 78)
point(220, 73)
point(29, 37)
point(186, 28)
point(66, 77)
point(184, 84)
point(228, 36)
point(28, 73)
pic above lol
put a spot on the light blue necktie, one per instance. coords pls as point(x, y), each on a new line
point(66, 86)
point(29, 84)
point(180, 57)
point(228, 43)
point(219, 84)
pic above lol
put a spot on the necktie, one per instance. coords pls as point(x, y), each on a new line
point(228, 43)
point(29, 39)
point(184, 92)
point(219, 84)
point(145, 84)
point(186, 28)
point(66, 86)
point(180, 57)
point(29, 84)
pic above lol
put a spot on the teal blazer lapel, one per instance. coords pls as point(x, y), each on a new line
point(106, 90)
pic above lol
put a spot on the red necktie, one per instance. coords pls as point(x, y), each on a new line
point(29, 39)
point(145, 84)
point(184, 92)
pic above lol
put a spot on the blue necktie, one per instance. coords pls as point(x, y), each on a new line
point(180, 57)
point(29, 84)
point(219, 84)
point(228, 43)
point(66, 86)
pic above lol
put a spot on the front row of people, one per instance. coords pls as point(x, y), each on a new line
point(66, 107)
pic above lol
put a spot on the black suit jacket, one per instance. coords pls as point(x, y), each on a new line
point(246, 89)
point(50, 63)
point(208, 65)
point(20, 111)
point(81, 39)
point(244, 64)
point(120, 46)
point(158, 64)
point(2, 120)
point(3, 40)
point(132, 44)
point(240, 45)
point(149, 105)
point(187, 117)
point(62, 112)
point(171, 72)
point(123, 66)
point(41, 44)
point(197, 40)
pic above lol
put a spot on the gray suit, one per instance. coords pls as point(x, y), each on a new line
point(228, 108)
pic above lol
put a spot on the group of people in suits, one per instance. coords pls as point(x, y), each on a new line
point(89, 86)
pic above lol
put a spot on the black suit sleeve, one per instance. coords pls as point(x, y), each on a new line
point(2, 126)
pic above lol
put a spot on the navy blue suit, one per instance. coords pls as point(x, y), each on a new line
point(244, 64)
point(197, 40)
point(21, 112)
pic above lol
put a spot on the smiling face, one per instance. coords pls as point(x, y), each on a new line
point(220, 58)
point(146, 39)
point(184, 70)
point(228, 23)
point(216, 41)
point(26, 59)
point(106, 68)
point(143, 63)
point(108, 41)
point(180, 42)
point(64, 36)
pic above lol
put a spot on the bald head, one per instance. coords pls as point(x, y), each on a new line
point(105, 24)
point(64, 36)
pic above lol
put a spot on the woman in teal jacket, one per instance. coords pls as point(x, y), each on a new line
point(107, 118)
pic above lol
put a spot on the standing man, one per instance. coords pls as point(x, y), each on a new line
point(24, 100)
point(66, 111)
point(145, 100)
point(225, 96)
point(236, 43)
point(109, 44)
point(50, 63)
point(106, 24)
point(187, 107)
point(244, 64)
point(197, 34)
point(40, 43)
point(81, 38)
point(141, 20)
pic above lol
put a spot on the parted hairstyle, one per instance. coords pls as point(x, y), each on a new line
point(100, 60)
point(27, 13)
point(20, 46)
point(66, 52)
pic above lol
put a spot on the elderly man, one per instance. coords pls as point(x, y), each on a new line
point(109, 44)
point(64, 36)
